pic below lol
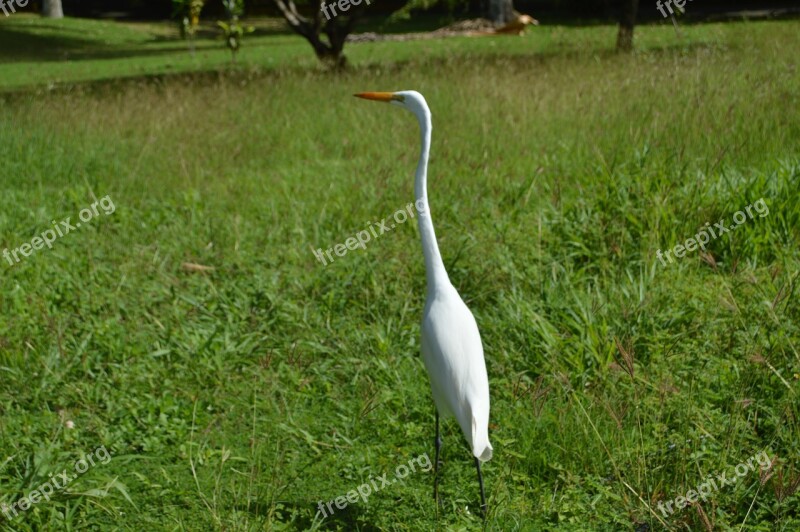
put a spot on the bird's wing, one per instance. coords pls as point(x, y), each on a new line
point(453, 354)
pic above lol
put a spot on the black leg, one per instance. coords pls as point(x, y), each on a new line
point(438, 443)
point(480, 481)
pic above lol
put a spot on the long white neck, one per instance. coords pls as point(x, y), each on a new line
point(434, 267)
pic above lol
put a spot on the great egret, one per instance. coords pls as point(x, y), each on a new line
point(451, 343)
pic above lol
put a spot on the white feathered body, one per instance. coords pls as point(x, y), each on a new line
point(453, 355)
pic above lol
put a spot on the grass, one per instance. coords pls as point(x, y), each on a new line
point(240, 398)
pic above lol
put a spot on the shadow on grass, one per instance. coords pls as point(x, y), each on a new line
point(18, 45)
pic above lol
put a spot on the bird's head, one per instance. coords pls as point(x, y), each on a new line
point(527, 19)
point(411, 100)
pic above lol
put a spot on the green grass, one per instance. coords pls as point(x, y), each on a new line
point(240, 398)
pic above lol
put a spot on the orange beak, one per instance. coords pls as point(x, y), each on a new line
point(378, 96)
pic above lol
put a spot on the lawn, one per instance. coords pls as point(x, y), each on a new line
point(241, 395)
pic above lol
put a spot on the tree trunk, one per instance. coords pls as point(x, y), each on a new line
point(335, 28)
point(501, 12)
point(626, 25)
point(52, 9)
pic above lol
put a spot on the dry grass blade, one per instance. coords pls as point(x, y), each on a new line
point(708, 258)
point(704, 518)
point(196, 268)
point(627, 355)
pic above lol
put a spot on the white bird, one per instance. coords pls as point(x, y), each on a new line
point(451, 343)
